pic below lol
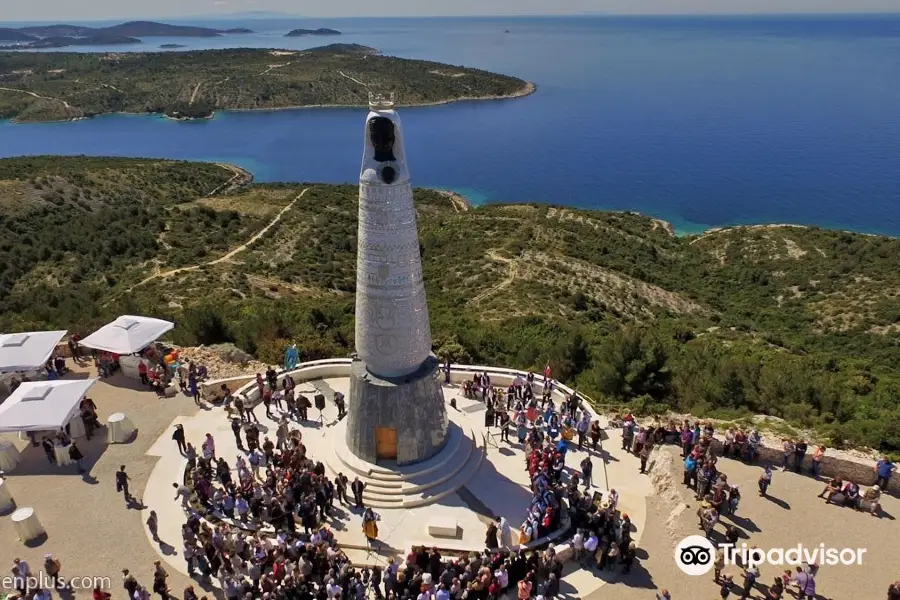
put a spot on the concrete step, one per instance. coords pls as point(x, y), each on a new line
point(416, 485)
point(448, 486)
point(386, 486)
point(379, 500)
point(450, 466)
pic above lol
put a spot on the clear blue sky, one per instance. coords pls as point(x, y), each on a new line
point(63, 10)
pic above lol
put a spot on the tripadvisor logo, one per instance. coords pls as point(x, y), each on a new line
point(695, 555)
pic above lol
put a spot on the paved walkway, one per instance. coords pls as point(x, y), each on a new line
point(90, 528)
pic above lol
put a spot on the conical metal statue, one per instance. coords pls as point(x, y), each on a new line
point(396, 407)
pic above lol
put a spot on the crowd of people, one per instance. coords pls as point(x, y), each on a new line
point(261, 525)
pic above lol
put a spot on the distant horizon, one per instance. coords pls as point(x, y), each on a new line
point(269, 15)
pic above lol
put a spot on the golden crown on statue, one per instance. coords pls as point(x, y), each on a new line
point(381, 101)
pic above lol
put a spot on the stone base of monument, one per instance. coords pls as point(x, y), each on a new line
point(389, 485)
point(403, 419)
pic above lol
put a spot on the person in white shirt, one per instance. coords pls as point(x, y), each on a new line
point(613, 499)
point(590, 545)
point(502, 576)
point(281, 539)
point(578, 544)
point(332, 590)
point(184, 493)
point(506, 539)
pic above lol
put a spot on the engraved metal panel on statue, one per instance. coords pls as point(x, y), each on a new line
point(393, 336)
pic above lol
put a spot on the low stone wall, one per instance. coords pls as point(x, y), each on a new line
point(317, 369)
point(858, 472)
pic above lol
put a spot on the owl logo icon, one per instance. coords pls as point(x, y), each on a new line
point(694, 555)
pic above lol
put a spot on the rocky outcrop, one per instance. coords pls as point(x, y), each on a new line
point(224, 361)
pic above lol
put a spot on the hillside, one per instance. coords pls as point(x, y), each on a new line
point(57, 86)
point(793, 322)
point(14, 35)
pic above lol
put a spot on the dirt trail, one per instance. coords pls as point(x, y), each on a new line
point(460, 204)
point(226, 257)
point(194, 93)
point(510, 277)
point(66, 104)
point(238, 180)
point(279, 66)
point(353, 79)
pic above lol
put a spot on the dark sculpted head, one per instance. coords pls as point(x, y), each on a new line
point(381, 134)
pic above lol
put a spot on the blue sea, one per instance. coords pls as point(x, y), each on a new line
point(702, 121)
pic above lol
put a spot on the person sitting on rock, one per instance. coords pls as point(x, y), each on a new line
point(851, 495)
point(872, 497)
point(834, 486)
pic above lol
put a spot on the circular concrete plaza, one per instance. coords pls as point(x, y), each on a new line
point(93, 532)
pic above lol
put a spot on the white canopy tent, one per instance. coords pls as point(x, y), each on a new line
point(27, 351)
point(43, 405)
point(127, 334)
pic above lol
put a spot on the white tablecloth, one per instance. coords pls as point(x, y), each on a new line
point(76, 427)
point(120, 428)
point(27, 525)
point(62, 455)
point(9, 456)
point(6, 499)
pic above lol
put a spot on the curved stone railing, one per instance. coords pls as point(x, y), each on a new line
point(340, 367)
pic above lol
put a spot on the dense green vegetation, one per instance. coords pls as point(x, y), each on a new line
point(55, 86)
point(792, 322)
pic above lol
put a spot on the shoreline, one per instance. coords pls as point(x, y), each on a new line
point(527, 90)
point(460, 199)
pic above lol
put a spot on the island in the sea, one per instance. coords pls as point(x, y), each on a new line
point(319, 31)
point(61, 36)
point(64, 41)
point(171, 46)
point(194, 84)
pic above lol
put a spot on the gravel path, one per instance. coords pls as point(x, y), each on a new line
point(793, 515)
point(90, 529)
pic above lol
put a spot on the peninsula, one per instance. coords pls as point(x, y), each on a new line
point(60, 86)
point(66, 41)
point(799, 323)
point(132, 28)
point(320, 31)
point(61, 36)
